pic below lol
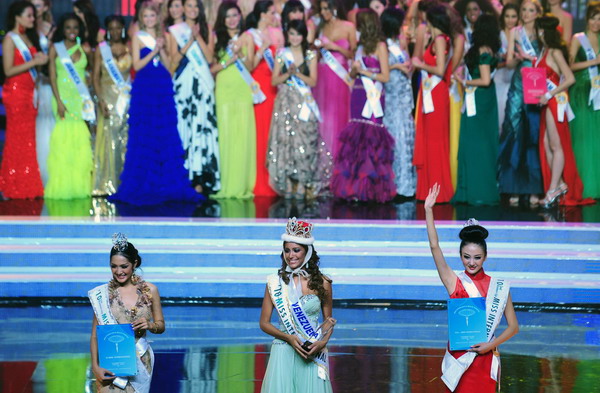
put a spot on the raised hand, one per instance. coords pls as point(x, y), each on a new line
point(432, 196)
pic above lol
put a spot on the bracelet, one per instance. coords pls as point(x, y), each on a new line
point(223, 64)
point(548, 96)
point(373, 75)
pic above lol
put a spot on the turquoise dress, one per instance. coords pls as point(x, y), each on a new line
point(584, 130)
point(478, 144)
point(519, 170)
point(288, 372)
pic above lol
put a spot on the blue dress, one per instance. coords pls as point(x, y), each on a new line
point(154, 170)
point(519, 170)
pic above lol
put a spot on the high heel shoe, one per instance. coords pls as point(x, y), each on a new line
point(553, 196)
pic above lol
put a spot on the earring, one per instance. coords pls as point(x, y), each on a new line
point(335, 13)
point(123, 33)
point(108, 35)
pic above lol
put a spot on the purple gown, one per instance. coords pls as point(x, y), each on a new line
point(333, 98)
point(363, 168)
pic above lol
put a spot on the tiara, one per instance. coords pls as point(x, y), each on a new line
point(298, 231)
point(119, 241)
point(471, 222)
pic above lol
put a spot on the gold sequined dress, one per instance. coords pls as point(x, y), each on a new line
point(111, 140)
point(142, 308)
point(296, 149)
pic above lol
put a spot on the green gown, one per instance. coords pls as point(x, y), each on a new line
point(584, 131)
point(237, 133)
point(70, 159)
point(478, 145)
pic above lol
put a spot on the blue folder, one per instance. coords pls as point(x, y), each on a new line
point(466, 322)
point(116, 349)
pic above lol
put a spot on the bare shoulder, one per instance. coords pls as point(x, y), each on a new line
point(153, 288)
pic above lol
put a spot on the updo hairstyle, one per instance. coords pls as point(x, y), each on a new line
point(130, 253)
point(474, 234)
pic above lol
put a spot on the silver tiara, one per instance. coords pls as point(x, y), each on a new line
point(119, 241)
point(470, 222)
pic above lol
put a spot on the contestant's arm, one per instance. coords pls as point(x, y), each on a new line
point(175, 53)
point(102, 375)
point(581, 65)
point(567, 34)
point(567, 77)
point(278, 77)
point(327, 310)
point(446, 274)
point(440, 59)
point(265, 320)
point(485, 73)
point(8, 59)
point(249, 44)
point(458, 43)
point(511, 320)
point(96, 72)
point(158, 325)
point(512, 55)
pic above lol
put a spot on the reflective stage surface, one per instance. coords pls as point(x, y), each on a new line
point(210, 348)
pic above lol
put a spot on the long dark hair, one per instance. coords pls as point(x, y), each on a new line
point(592, 9)
point(200, 20)
point(92, 23)
point(300, 27)
point(474, 234)
point(59, 34)
point(336, 7)
point(16, 9)
point(119, 19)
point(484, 5)
point(548, 23)
point(367, 23)
point(220, 27)
point(289, 7)
point(509, 6)
point(391, 22)
point(260, 7)
point(486, 32)
point(130, 253)
point(169, 21)
point(316, 278)
point(438, 17)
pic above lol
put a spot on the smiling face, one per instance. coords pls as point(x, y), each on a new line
point(176, 9)
point(473, 11)
point(269, 17)
point(294, 254)
point(294, 38)
point(149, 18)
point(121, 269)
point(472, 257)
point(529, 12)
point(27, 18)
point(593, 24)
point(510, 19)
point(326, 12)
point(232, 19)
point(116, 30)
point(71, 30)
point(191, 9)
point(40, 7)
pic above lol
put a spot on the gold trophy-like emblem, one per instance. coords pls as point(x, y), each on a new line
point(561, 98)
point(427, 84)
point(255, 87)
point(596, 82)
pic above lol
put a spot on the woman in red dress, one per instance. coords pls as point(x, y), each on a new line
point(559, 168)
point(19, 173)
point(432, 138)
point(483, 358)
point(267, 39)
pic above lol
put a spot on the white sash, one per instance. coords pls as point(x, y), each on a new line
point(396, 51)
point(257, 95)
point(504, 43)
point(182, 33)
point(562, 100)
point(309, 103)
point(268, 53)
point(294, 318)
point(44, 43)
point(25, 53)
point(593, 70)
point(453, 369)
point(101, 305)
point(525, 43)
point(372, 107)
point(307, 5)
point(430, 82)
point(88, 112)
point(150, 43)
point(470, 105)
point(335, 65)
point(117, 78)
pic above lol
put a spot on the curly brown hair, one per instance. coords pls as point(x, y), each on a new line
point(316, 278)
point(367, 23)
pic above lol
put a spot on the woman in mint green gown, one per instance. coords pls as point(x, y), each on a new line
point(584, 127)
point(235, 109)
point(478, 143)
point(292, 368)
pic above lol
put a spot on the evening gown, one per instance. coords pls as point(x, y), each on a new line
point(44, 123)
point(333, 98)
point(123, 315)
point(363, 169)
point(263, 113)
point(237, 133)
point(70, 160)
point(112, 130)
point(570, 174)
point(197, 125)
point(478, 147)
point(502, 81)
point(519, 170)
point(154, 169)
point(19, 173)
point(477, 377)
point(296, 150)
point(398, 120)
point(287, 372)
point(431, 154)
point(584, 130)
